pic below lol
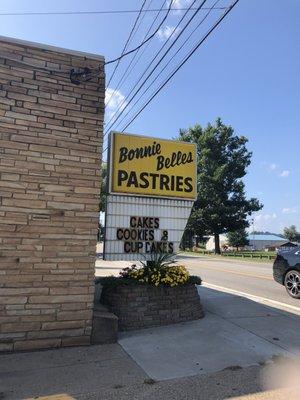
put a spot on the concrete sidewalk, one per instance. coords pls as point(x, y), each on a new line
point(235, 332)
point(222, 356)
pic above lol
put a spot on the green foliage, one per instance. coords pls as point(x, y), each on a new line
point(195, 280)
point(168, 276)
point(290, 233)
point(113, 281)
point(103, 186)
point(158, 260)
point(223, 159)
point(238, 238)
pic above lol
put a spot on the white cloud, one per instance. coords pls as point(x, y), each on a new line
point(284, 174)
point(265, 222)
point(289, 210)
point(265, 217)
point(272, 167)
point(165, 32)
point(113, 100)
point(269, 166)
point(177, 4)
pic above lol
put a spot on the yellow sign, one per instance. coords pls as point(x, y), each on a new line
point(147, 166)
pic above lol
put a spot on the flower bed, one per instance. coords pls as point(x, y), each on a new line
point(156, 294)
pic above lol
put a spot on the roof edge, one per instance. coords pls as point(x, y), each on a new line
point(51, 48)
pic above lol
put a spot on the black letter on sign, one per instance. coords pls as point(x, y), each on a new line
point(123, 154)
point(122, 176)
point(164, 235)
point(119, 233)
point(143, 178)
point(132, 180)
point(160, 163)
point(132, 222)
point(188, 185)
point(170, 247)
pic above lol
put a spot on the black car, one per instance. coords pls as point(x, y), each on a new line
point(286, 271)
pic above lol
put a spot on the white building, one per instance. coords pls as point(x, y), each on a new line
point(210, 244)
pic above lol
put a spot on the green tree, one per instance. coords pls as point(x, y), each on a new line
point(223, 158)
point(238, 238)
point(290, 232)
point(103, 186)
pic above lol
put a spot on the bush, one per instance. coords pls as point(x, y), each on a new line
point(168, 276)
point(195, 280)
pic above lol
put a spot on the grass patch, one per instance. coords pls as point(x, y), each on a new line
point(248, 255)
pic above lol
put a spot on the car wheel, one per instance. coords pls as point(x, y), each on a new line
point(292, 283)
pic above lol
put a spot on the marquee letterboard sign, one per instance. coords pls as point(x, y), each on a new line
point(152, 186)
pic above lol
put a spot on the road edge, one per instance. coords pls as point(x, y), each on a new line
point(262, 300)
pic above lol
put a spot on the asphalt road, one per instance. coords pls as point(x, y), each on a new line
point(248, 277)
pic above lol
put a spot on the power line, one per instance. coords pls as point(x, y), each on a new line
point(168, 63)
point(128, 69)
point(216, 24)
point(146, 40)
point(120, 106)
point(183, 62)
point(12, 14)
point(126, 43)
point(157, 64)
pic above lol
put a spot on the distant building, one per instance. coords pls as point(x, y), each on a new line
point(284, 246)
point(263, 242)
point(256, 242)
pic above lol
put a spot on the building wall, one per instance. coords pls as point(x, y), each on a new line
point(262, 244)
point(50, 147)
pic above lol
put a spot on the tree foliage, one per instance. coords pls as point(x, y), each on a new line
point(223, 158)
point(291, 233)
point(103, 187)
point(238, 238)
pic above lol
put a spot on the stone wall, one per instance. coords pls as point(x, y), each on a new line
point(50, 153)
point(143, 306)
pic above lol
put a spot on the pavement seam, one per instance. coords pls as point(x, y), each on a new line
point(62, 365)
point(135, 362)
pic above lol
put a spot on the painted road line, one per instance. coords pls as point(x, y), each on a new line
point(258, 299)
point(268, 278)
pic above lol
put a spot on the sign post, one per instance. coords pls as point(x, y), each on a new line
point(152, 187)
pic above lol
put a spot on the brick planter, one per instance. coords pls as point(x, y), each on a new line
point(143, 306)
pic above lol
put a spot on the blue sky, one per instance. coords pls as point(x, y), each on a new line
point(247, 73)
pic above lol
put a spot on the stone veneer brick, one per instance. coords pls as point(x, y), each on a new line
point(51, 135)
point(144, 306)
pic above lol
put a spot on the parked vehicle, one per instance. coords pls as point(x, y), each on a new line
point(286, 271)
